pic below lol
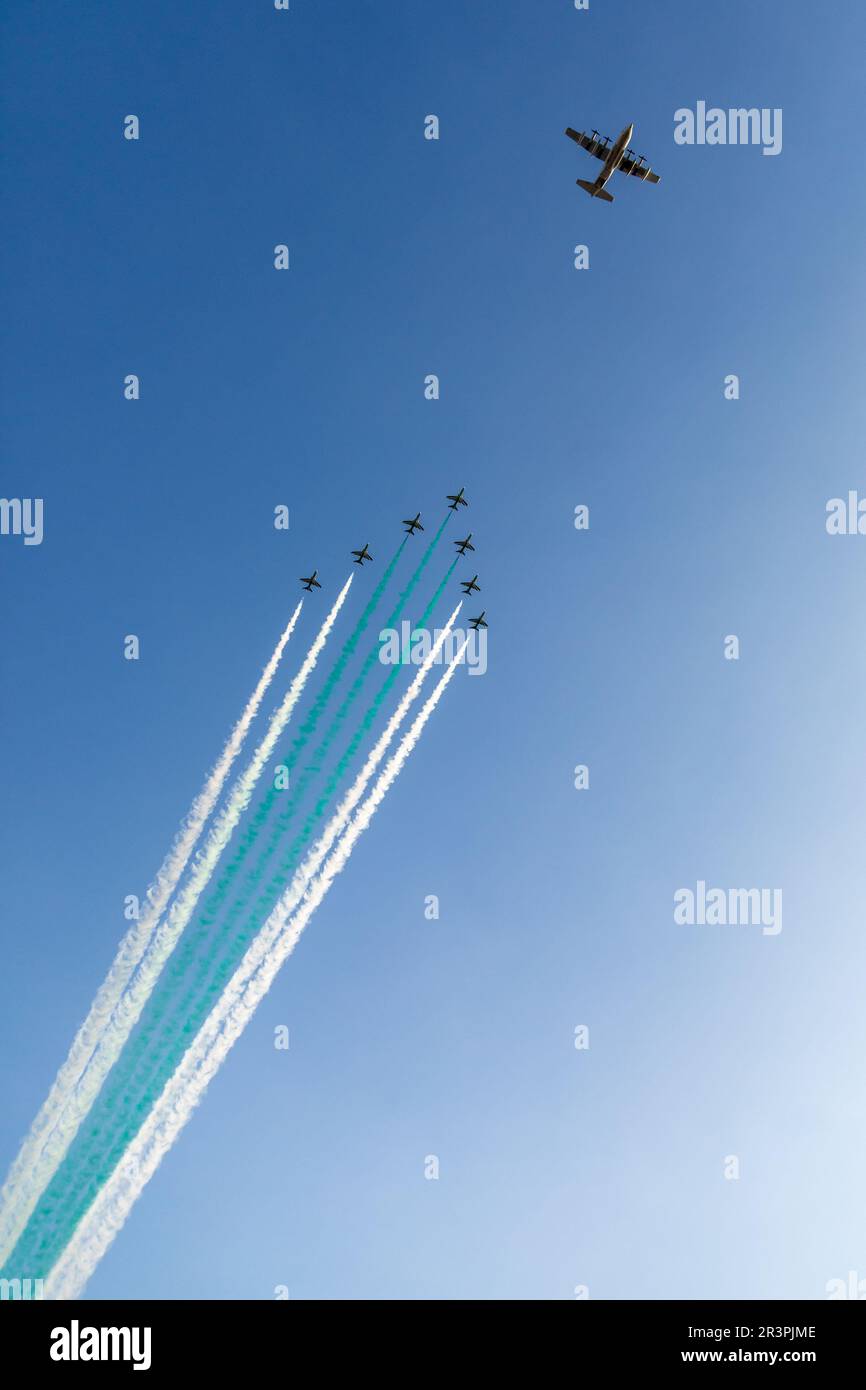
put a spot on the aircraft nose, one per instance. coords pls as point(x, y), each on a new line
point(631, 130)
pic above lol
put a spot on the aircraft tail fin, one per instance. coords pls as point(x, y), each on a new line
point(594, 191)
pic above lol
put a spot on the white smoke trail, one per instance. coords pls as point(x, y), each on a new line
point(128, 1007)
point(224, 1025)
point(26, 1176)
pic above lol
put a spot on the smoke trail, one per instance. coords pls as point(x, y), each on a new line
point(267, 899)
point(131, 1002)
point(230, 958)
point(373, 657)
point(29, 1173)
point(249, 838)
point(139, 1067)
point(369, 718)
point(256, 874)
point(207, 915)
point(92, 1161)
point(221, 1030)
point(136, 1073)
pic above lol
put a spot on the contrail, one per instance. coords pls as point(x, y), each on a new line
point(222, 1029)
point(129, 1005)
point(27, 1175)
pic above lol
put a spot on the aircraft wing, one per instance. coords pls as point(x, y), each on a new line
point(596, 147)
point(640, 171)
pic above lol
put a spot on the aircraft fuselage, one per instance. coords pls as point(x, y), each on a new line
point(614, 159)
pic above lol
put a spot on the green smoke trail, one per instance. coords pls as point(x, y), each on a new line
point(300, 841)
point(255, 875)
point(307, 729)
point(185, 1010)
point(49, 1249)
point(282, 877)
point(120, 1093)
point(196, 935)
point(155, 1007)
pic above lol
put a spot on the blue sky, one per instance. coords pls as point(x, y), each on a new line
point(559, 387)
